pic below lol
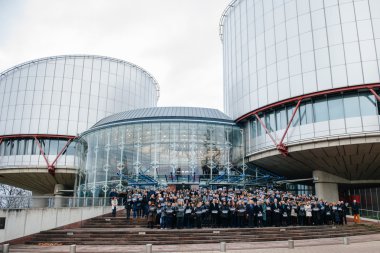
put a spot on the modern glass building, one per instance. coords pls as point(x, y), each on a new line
point(160, 146)
point(302, 78)
point(46, 103)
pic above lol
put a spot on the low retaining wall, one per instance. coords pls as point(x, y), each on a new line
point(23, 222)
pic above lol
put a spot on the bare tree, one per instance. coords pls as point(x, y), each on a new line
point(13, 197)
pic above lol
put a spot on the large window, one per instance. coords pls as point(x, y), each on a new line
point(335, 107)
point(319, 109)
point(351, 105)
point(367, 104)
point(321, 112)
point(30, 147)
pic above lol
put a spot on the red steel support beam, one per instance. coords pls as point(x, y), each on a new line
point(43, 153)
point(61, 152)
point(375, 94)
point(266, 129)
point(36, 137)
point(281, 146)
point(51, 166)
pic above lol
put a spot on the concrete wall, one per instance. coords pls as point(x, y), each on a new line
point(23, 222)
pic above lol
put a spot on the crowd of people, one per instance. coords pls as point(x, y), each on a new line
point(165, 208)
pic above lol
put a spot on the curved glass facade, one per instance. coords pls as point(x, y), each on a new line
point(274, 50)
point(339, 114)
point(66, 95)
point(158, 147)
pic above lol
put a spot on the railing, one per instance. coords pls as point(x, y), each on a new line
point(370, 214)
point(24, 202)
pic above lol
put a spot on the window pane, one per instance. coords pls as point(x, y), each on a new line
point(309, 112)
point(2, 148)
point(8, 148)
point(53, 147)
point(335, 107)
point(320, 110)
point(260, 129)
point(302, 113)
point(351, 105)
point(253, 128)
point(20, 148)
point(367, 104)
point(296, 118)
point(278, 119)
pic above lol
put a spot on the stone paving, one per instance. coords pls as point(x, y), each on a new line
point(362, 244)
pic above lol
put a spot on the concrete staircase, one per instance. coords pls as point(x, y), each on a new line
point(105, 230)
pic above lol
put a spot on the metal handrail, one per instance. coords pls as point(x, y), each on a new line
point(26, 202)
point(371, 214)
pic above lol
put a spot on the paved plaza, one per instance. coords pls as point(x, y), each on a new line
point(362, 244)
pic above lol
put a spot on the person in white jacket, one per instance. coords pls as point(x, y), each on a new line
point(308, 213)
point(113, 206)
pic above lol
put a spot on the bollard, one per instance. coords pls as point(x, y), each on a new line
point(223, 247)
point(148, 248)
point(290, 244)
point(5, 248)
point(73, 248)
point(346, 240)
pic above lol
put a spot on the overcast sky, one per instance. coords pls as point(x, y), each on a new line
point(176, 41)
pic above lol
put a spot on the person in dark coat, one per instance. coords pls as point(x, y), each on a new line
point(315, 212)
point(345, 212)
point(258, 210)
point(301, 214)
point(276, 213)
point(169, 214)
point(269, 213)
point(180, 215)
point(189, 215)
point(356, 211)
point(233, 216)
point(241, 212)
point(198, 215)
point(128, 207)
point(328, 214)
point(224, 212)
point(251, 213)
point(214, 210)
point(151, 214)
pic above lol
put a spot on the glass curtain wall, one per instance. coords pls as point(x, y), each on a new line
point(157, 150)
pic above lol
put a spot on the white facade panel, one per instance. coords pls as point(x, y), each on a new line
point(317, 45)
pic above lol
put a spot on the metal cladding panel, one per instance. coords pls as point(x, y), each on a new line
point(276, 50)
point(166, 112)
point(66, 95)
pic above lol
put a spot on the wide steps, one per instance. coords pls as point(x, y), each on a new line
point(105, 230)
point(84, 236)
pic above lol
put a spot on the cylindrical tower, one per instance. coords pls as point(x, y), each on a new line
point(66, 95)
point(304, 71)
point(46, 103)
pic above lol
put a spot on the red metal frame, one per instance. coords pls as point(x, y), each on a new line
point(36, 137)
point(281, 146)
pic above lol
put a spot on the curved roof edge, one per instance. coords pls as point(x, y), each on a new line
point(3, 73)
point(224, 15)
point(152, 114)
